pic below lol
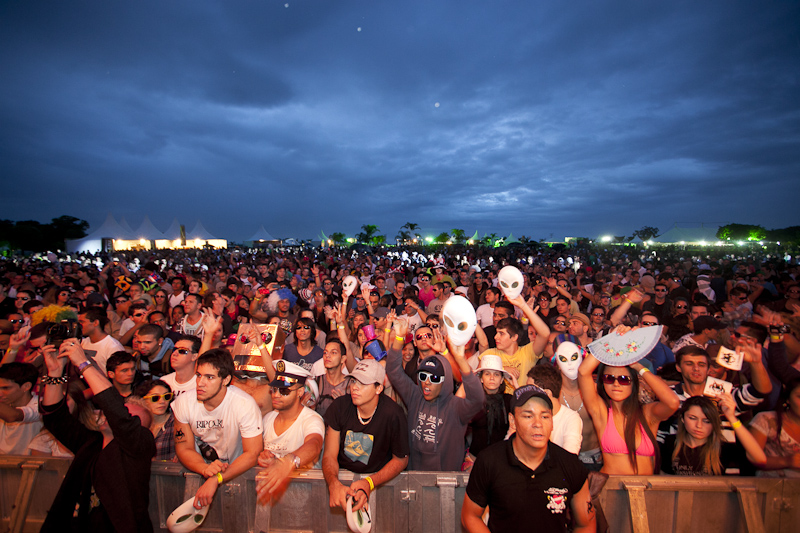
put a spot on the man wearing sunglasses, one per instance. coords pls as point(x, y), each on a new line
point(183, 361)
point(293, 433)
point(437, 420)
point(366, 434)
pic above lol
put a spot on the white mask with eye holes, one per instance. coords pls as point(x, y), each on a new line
point(511, 281)
point(568, 357)
point(349, 285)
point(459, 319)
point(186, 518)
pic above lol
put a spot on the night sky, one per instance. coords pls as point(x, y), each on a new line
point(546, 119)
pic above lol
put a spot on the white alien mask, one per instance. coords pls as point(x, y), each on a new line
point(349, 285)
point(459, 320)
point(568, 357)
point(511, 281)
point(186, 518)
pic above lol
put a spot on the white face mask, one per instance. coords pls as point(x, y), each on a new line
point(186, 518)
point(569, 357)
point(459, 320)
point(511, 281)
point(349, 285)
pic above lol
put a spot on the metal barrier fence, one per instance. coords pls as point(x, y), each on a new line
point(419, 501)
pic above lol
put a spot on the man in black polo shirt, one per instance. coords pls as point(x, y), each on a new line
point(527, 479)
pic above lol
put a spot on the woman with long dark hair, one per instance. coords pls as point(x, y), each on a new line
point(626, 428)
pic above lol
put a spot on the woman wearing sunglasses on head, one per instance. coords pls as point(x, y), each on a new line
point(626, 428)
point(157, 397)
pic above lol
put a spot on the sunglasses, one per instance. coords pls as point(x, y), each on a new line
point(424, 279)
point(598, 314)
point(157, 397)
point(23, 298)
point(424, 336)
point(183, 351)
point(661, 290)
point(623, 380)
point(138, 315)
point(649, 323)
point(427, 376)
point(560, 323)
point(738, 335)
point(17, 321)
point(303, 327)
point(283, 391)
point(433, 326)
point(680, 307)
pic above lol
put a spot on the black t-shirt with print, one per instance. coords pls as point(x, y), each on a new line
point(366, 448)
point(519, 497)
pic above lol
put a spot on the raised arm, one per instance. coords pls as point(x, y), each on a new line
point(668, 402)
point(632, 297)
point(542, 330)
point(755, 452)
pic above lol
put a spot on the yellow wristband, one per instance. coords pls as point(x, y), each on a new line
point(737, 424)
point(371, 484)
point(387, 330)
point(340, 327)
point(219, 478)
point(643, 371)
point(629, 301)
point(399, 338)
point(446, 351)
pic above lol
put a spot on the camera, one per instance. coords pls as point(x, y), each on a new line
point(61, 331)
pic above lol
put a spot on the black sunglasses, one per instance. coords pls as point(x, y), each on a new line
point(283, 391)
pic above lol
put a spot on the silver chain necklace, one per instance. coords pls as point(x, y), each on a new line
point(564, 397)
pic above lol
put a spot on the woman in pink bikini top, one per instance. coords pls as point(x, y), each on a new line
point(627, 429)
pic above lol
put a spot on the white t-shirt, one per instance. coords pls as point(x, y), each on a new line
point(223, 428)
point(308, 423)
point(567, 430)
point(414, 321)
point(176, 299)
point(102, 350)
point(126, 326)
point(15, 436)
point(179, 388)
point(485, 314)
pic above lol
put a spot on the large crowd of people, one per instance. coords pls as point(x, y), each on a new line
point(116, 360)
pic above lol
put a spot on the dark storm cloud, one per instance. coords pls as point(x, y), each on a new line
point(538, 118)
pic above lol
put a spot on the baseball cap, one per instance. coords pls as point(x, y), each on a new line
point(433, 365)
point(368, 371)
point(525, 393)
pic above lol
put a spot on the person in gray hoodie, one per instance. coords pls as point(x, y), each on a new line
point(437, 419)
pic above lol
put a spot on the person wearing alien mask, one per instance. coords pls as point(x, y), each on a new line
point(569, 356)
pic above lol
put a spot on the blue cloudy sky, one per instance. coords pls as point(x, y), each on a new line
point(546, 119)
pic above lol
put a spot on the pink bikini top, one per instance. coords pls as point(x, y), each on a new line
point(612, 441)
